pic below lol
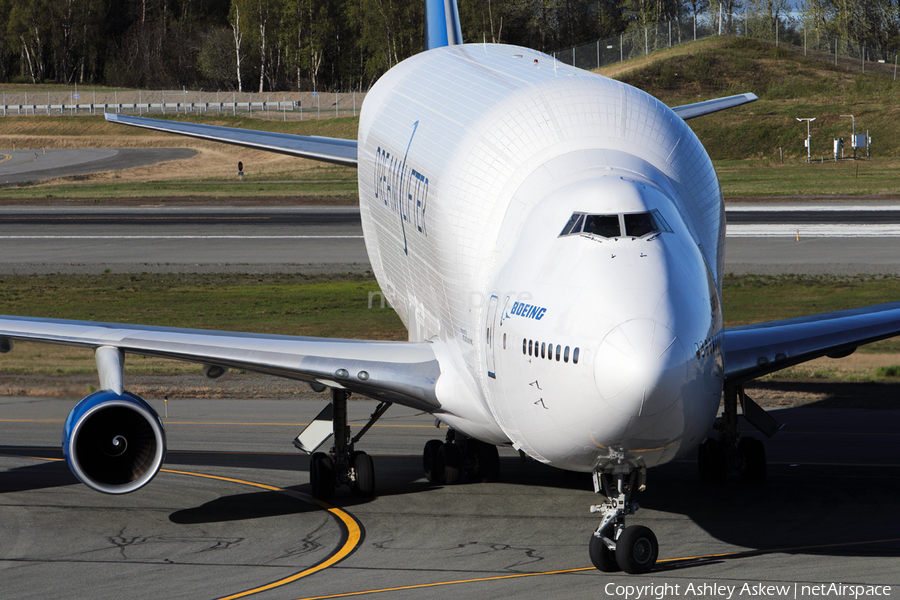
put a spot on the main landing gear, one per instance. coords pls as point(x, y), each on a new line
point(613, 546)
point(460, 458)
point(343, 465)
point(731, 452)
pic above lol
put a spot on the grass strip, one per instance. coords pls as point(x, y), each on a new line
point(347, 306)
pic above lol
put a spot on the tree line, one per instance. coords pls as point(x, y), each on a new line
point(332, 45)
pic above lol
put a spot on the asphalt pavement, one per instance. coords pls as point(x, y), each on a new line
point(231, 514)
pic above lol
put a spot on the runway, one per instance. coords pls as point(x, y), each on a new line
point(183, 240)
point(826, 514)
point(842, 238)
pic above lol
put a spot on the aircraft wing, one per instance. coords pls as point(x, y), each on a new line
point(698, 109)
point(401, 372)
point(752, 351)
point(332, 150)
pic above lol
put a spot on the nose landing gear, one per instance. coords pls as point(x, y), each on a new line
point(613, 546)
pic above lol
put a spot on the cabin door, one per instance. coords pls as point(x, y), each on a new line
point(490, 332)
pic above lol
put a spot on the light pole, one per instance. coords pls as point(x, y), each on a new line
point(808, 155)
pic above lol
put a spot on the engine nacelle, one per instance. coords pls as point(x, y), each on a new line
point(114, 443)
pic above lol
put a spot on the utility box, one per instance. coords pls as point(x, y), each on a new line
point(838, 148)
point(860, 140)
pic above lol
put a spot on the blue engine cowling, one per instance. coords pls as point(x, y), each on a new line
point(114, 443)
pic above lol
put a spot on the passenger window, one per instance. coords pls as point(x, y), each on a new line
point(504, 341)
point(566, 355)
point(557, 353)
point(575, 356)
point(529, 347)
point(524, 346)
point(543, 347)
point(602, 225)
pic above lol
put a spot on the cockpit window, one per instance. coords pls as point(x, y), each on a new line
point(611, 226)
point(574, 224)
point(602, 225)
point(639, 224)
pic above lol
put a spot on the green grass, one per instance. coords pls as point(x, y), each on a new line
point(789, 86)
point(284, 304)
point(796, 178)
point(892, 371)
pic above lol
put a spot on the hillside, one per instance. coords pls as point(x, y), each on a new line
point(789, 86)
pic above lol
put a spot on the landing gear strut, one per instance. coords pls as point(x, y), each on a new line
point(460, 457)
point(613, 546)
point(731, 452)
point(344, 465)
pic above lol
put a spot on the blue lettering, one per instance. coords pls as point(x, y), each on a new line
point(404, 191)
point(529, 311)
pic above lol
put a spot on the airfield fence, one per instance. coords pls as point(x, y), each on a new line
point(641, 41)
point(294, 106)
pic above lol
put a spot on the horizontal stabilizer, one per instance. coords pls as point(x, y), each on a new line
point(698, 109)
point(331, 150)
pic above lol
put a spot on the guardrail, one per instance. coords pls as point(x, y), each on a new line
point(300, 104)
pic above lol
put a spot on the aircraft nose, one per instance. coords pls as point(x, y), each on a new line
point(641, 368)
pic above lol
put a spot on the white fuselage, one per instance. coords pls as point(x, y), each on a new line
point(472, 161)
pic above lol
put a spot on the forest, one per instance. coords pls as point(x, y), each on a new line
point(344, 45)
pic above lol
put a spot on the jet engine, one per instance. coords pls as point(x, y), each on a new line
point(114, 443)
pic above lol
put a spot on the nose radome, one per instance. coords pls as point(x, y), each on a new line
point(640, 368)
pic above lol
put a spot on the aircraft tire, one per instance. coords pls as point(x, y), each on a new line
point(602, 557)
point(712, 461)
point(321, 476)
point(429, 458)
point(488, 457)
point(449, 464)
point(365, 474)
point(753, 460)
point(637, 550)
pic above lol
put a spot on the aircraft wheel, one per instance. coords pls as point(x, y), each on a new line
point(637, 549)
point(602, 557)
point(713, 461)
point(429, 458)
point(753, 460)
point(365, 474)
point(449, 464)
point(321, 476)
point(488, 463)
